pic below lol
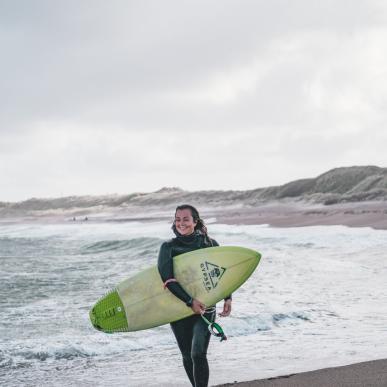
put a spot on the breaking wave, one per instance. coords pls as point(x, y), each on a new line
point(120, 245)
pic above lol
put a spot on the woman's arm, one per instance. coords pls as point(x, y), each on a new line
point(165, 266)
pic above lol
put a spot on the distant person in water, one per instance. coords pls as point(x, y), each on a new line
point(191, 333)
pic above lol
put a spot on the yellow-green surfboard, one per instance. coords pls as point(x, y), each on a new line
point(141, 302)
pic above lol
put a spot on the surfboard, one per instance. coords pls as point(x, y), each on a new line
point(141, 302)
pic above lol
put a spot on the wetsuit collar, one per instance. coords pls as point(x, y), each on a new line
point(188, 239)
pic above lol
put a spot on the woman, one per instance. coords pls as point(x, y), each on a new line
point(191, 333)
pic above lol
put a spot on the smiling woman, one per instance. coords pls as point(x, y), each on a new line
point(184, 222)
point(191, 333)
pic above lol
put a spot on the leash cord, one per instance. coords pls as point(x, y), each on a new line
point(215, 329)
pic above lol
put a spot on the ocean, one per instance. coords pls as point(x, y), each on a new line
point(317, 299)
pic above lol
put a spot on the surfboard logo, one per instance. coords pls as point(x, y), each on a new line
point(211, 275)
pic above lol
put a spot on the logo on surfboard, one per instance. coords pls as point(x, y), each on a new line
point(211, 275)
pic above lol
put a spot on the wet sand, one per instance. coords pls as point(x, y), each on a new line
point(274, 214)
point(366, 374)
point(360, 214)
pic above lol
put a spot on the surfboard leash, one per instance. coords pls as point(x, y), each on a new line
point(215, 329)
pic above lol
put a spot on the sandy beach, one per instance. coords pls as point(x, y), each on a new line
point(359, 214)
point(274, 214)
point(366, 374)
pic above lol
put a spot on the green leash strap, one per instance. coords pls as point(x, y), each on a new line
point(215, 329)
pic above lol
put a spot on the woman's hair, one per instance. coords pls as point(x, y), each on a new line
point(200, 226)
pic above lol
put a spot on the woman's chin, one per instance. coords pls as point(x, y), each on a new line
point(184, 232)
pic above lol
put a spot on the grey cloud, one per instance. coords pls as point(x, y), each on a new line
point(253, 86)
point(86, 61)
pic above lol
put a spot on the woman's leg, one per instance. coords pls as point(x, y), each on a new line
point(183, 331)
point(200, 341)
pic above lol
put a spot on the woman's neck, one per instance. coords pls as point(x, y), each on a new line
point(187, 238)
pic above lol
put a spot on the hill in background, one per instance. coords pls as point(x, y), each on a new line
point(358, 184)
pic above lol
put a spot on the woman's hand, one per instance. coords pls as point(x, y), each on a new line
point(197, 306)
point(226, 308)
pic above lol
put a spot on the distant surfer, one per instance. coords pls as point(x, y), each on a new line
point(191, 333)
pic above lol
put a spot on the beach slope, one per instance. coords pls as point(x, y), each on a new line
point(366, 374)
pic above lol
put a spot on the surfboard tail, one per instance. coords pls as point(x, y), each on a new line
point(108, 314)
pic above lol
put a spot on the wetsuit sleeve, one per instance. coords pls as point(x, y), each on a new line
point(215, 244)
point(165, 267)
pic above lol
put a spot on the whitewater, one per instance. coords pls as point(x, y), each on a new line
point(317, 299)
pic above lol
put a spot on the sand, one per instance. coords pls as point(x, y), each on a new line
point(366, 374)
point(360, 214)
point(275, 214)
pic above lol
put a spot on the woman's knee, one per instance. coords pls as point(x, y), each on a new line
point(186, 356)
point(198, 356)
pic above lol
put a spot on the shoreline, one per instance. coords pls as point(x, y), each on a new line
point(367, 214)
point(365, 374)
point(274, 214)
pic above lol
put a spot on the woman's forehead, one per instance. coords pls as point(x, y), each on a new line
point(183, 213)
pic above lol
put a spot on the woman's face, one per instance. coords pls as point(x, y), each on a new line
point(184, 222)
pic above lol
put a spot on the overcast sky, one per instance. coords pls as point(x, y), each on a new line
point(102, 97)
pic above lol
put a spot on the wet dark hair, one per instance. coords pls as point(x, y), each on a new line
point(200, 226)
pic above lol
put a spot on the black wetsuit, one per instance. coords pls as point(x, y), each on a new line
point(191, 333)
